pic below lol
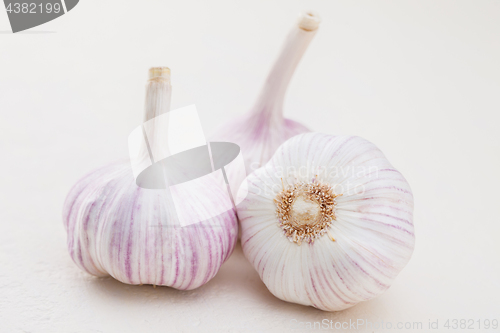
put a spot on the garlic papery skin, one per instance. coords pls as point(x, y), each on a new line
point(263, 129)
point(327, 222)
point(117, 228)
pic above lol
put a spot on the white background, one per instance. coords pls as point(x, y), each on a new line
point(421, 79)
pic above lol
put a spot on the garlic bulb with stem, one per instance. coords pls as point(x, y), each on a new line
point(117, 228)
point(327, 222)
point(263, 129)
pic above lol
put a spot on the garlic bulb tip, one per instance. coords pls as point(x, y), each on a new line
point(159, 72)
point(309, 21)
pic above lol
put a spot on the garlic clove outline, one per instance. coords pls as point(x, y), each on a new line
point(263, 129)
point(368, 236)
point(117, 228)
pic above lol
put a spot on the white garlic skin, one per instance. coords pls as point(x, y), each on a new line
point(116, 228)
point(263, 129)
point(373, 229)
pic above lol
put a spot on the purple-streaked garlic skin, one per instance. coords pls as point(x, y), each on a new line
point(263, 129)
point(373, 227)
point(116, 228)
point(258, 141)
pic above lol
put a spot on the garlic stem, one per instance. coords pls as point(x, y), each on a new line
point(158, 96)
point(158, 93)
point(271, 98)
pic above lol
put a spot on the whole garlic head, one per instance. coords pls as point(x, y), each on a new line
point(263, 129)
point(117, 228)
point(327, 222)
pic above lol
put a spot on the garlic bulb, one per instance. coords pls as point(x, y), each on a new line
point(263, 129)
point(327, 222)
point(117, 228)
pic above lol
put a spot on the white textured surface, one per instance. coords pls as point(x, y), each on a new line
point(419, 79)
